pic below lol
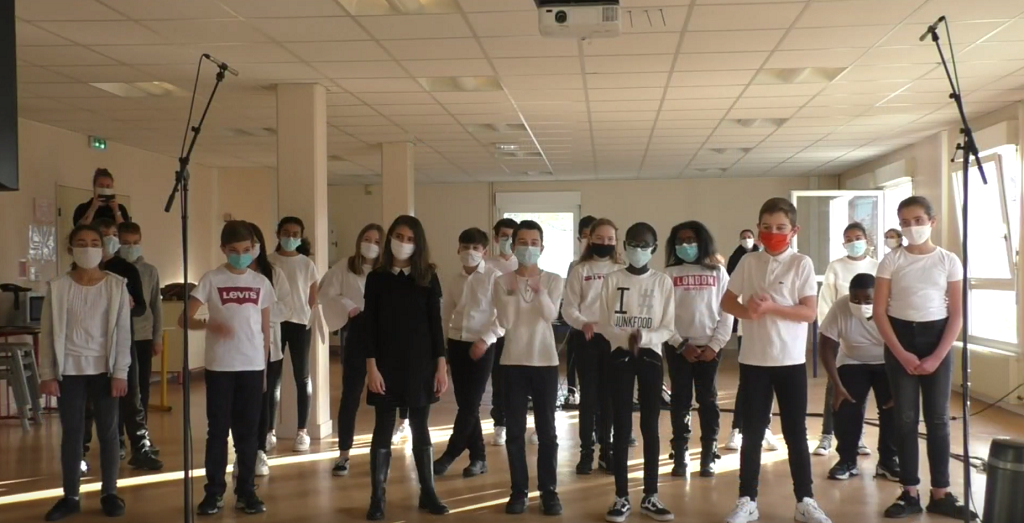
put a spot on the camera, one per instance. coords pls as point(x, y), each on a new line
point(561, 17)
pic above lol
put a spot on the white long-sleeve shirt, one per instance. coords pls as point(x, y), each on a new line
point(642, 303)
point(504, 266)
point(526, 317)
point(699, 315)
point(341, 291)
point(467, 308)
point(581, 303)
point(837, 281)
point(280, 311)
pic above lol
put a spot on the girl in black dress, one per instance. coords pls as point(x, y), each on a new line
point(405, 361)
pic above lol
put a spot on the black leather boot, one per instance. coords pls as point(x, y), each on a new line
point(708, 456)
point(429, 501)
point(679, 456)
point(380, 463)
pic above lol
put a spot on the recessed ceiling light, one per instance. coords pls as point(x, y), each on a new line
point(506, 146)
point(398, 7)
point(258, 132)
point(801, 75)
point(761, 122)
point(740, 151)
point(336, 158)
point(519, 155)
point(460, 84)
point(496, 128)
point(712, 170)
point(140, 89)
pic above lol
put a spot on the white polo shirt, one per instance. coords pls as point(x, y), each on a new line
point(468, 312)
point(772, 341)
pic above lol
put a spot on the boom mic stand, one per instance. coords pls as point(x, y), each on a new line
point(970, 149)
point(181, 180)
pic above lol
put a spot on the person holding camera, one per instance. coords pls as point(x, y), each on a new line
point(103, 203)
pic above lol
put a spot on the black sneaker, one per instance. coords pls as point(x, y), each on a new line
point(441, 465)
point(632, 441)
point(124, 452)
point(516, 503)
point(905, 506)
point(340, 467)
point(113, 506)
point(652, 507)
point(708, 457)
point(475, 468)
point(250, 504)
point(619, 512)
point(153, 450)
point(890, 469)
point(843, 470)
point(210, 505)
point(586, 465)
point(551, 505)
point(64, 508)
point(604, 462)
point(145, 460)
point(950, 507)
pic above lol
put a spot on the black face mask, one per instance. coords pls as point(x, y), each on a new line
point(601, 250)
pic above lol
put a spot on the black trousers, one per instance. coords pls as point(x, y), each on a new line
point(384, 427)
point(789, 383)
point(131, 415)
point(498, 385)
point(686, 377)
point(353, 383)
point(271, 400)
point(144, 351)
point(469, 380)
point(576, 340)
point(737, 413)
point(75, 393)
point(233, 403)
point(914, 394)
point(295, 339)
point(540, 384)
point(595, 394)
point(645, 372)
point(858, 380)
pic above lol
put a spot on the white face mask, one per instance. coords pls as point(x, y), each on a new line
point(918, 234)
point(401, 251)
point(892, 243)
point(505, 246)
point(370, 251)
point(130, 252)
point(110, 245)
point(865, 310)
point(747, 243)
point(87, 257)
point(471, 258)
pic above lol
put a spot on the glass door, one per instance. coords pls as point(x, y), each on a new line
point(558, 213)
point(822, 216)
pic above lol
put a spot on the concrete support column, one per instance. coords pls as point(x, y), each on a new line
point(399, 179)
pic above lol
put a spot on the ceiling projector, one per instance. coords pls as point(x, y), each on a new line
point(579, 19)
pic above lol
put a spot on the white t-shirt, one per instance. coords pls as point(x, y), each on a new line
point(919, 281)
point(527, 316)
point(644, 303)
point(581, 303)
point(85, 351)
point(301, 273)
point(859, 340)
point(837, 280)
point(772, 341)
point(236, 300)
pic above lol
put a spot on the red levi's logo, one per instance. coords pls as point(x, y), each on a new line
point(593, 277)
point(696, 281)
point(239, 295)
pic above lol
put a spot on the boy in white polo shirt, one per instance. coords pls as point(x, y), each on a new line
point(779, 297)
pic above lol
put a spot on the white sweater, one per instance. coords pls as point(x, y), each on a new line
point(581, 303)
point(53, 327)
point(637, 303)
point(837, 281)
point(527, 318)
point(341, 291)
point(699, 315)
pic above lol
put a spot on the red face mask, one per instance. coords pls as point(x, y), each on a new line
point(774, 242)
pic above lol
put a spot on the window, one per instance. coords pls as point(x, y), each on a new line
point(994, 228)
point(557, 213)
point(823, 215)
point(895, 192)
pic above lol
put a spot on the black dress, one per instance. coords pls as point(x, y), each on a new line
point(401, 328)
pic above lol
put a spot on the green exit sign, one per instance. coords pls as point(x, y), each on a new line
point(97, 143)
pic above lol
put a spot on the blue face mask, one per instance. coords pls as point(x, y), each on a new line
point(638, 258)
point(505, 246)
point(130, 252)
point(856, 249)
point(687, 252)
point(527, 256)
point(240, 261)
point(290, 244)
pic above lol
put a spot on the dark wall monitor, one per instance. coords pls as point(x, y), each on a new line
point(8, 99)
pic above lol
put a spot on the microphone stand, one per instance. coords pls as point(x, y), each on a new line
point(970, 149)
point(181, 180)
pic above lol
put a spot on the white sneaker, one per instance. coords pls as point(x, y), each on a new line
point(301, 442)
point(824, 445)
point(863, 449)
point(572, 399)
point(808, 511)
point(770, 443)
point(735, 440)
point(401, 432)
point(262, 466)
point(534, 440)
point(84, 467)
point(271, 441)
point(745, 511)
point(499, 436)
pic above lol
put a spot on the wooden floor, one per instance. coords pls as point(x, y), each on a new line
point(301, 488)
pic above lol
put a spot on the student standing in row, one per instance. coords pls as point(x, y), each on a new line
point(292, 256)
point(527, 303)
point(237, 349)
point(502, 258)
point(148, 328)
point(576, 338)
point(637, 317)
point(405, 358)
point(701, 330)
point(581, 309)
point(918, 310)
point(778, 294)
point(836, 285)
point(471, 328)
point(893, 239)
point(84, 355)
point(853, 354)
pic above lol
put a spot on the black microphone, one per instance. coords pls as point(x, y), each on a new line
point(931, 29)
point(220, 64)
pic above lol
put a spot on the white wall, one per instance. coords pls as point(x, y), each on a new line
point(249, 194)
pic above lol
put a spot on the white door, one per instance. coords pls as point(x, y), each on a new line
point(822, 216)
point(67, 199)
point(558, 214)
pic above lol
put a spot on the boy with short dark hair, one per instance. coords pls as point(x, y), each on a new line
point(148, 328)
point(502, 258)
point(779, 295)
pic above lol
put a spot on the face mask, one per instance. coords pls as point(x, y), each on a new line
point(240, 261)
point(131, 252)
point(471, 258)
point(686, 252)
point(865, 311)
point(87, 257)
point(505, 246)
point(856, 249)
point(747, 243)
point(892, 243)
point(774, 242)
point(602, 251)
point(917, 235)
point(401, 251)
point(638, 257)
point(369, 250)
point(255, 251)
point(527, 255)
point(290, 244)
point(110, 245)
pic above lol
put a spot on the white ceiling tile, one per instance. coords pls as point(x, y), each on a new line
point(636, 105)
point(701, 78)
point(390, 85)
point(730, 41)
point(277, 9)
point(847, 100)
point(28, 34)
point(900, 55)
point(993, 51)
point(720, 61)
point(62, 55)
point(33, 10)
point(338, 51)
point(872, 73)
point(655, 19)
point(778, 112)
point(318, 29)
point(465, 109)
point(830, 38)
point(396, 98)
point(150, 54)
point(206, 31)
point(565, 81)
point(700, 114)
point(388, 69)
point(531, 66)
point(783, 90)
point(434, 49)
point(962, 32)
point(548, 95)
point(478, 6)
point(877, 87)
point(472, 98)
point(626, 80)
point(826, 111)
point(598, 95)
point(62, 90)
point(961, 11)
point(406, 27)
point(283, 71)
point(519, 23)
point(104, 73)
point(438, 68)
point(818, 58)
point(164, 10)
point(628, 64)
point(28, 74)
point(689, 105)
point(729, 17)
point(528, 46)
point(857, 12)
point(351, 110)
point(251, 53)
point(748, 102)
point(687, 93)
point(632, 44)
point(417, 109)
